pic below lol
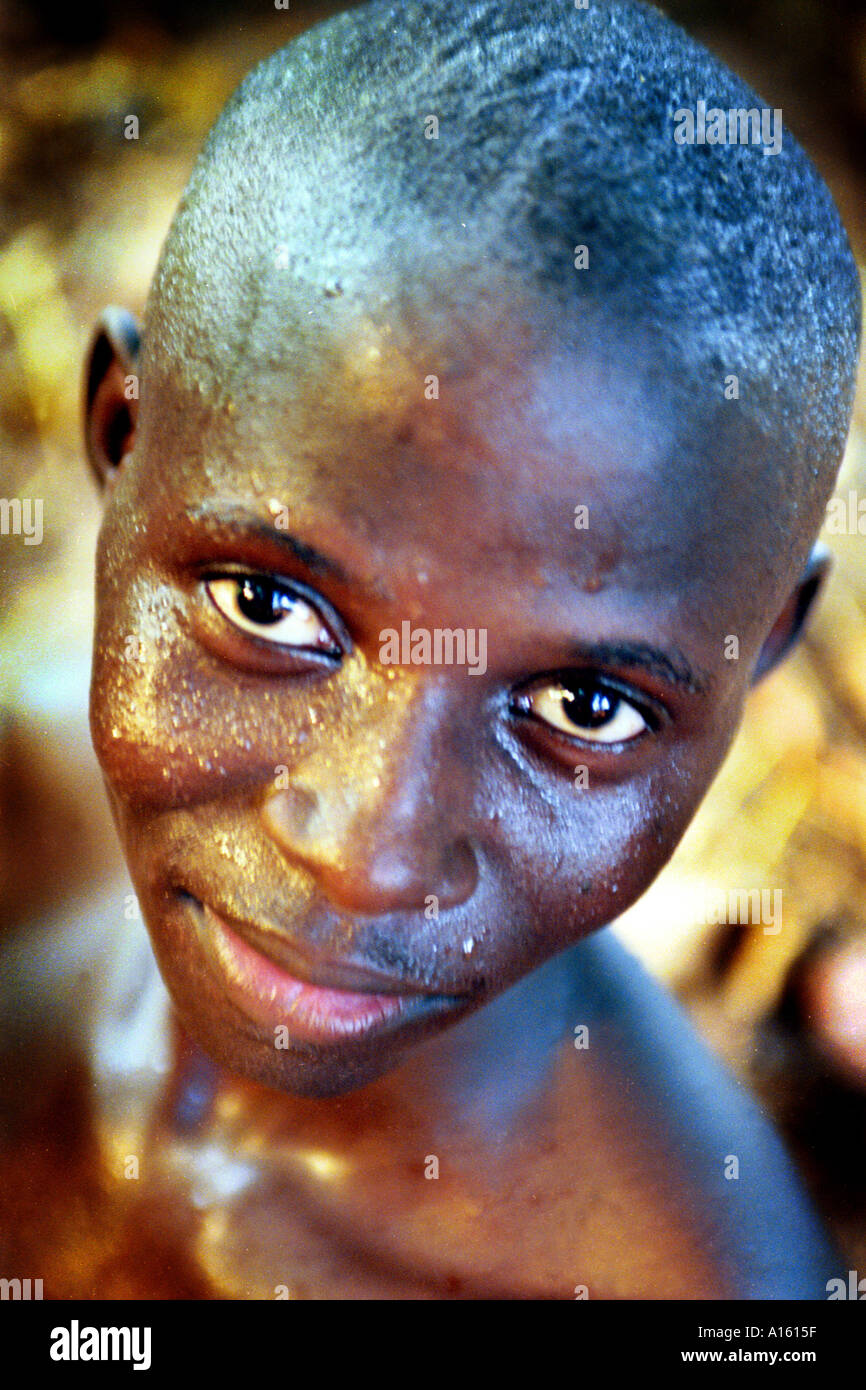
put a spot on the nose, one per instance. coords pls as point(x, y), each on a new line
point(378, 812)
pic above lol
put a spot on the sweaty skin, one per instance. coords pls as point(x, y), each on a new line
point(319, 797)
point(535, 1118)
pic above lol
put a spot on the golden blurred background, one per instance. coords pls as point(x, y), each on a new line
point(82, 216)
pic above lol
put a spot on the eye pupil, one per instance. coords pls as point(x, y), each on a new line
point(262, 602)
point(588, 706)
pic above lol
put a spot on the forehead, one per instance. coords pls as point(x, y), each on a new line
point(479, 437)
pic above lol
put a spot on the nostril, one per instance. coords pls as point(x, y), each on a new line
point(287, 813)
point(459, 878)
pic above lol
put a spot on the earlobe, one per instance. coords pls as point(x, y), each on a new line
point(789, 625)
point(111, 392)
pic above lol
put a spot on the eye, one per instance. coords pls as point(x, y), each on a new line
point(271, 610)
point(585, 707)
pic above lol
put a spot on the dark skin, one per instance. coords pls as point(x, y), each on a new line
point(314, 799)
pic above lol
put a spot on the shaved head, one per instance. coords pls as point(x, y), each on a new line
point(326, 203)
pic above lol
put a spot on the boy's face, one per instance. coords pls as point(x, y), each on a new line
point(338, 855)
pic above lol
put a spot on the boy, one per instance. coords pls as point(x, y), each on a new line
point(458, 345)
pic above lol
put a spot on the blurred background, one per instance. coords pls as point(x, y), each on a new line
point(82, 214)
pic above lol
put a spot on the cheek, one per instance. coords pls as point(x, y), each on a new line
point(591, 858)
point(170, 727)
point(147, 715)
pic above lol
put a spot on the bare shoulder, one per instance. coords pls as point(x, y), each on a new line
point(71, 989)
point(704, 1147)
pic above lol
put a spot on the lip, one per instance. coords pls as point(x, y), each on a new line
point(334, 1001)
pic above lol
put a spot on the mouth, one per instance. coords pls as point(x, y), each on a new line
point(268, 980)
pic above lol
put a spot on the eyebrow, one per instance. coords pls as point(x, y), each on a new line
point(240, 521)
point(671, 666)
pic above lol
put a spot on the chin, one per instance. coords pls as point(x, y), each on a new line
point(314, 1074)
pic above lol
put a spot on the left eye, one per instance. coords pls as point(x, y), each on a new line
point(586, 708)
point(271, 611)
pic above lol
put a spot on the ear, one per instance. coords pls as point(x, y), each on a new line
point(789, 625)
point(111, 392)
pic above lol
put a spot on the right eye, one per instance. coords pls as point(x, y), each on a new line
point(271, 610)
point(587, 709)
